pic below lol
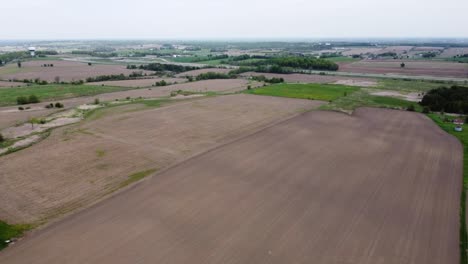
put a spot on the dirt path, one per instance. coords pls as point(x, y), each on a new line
point(379, 187)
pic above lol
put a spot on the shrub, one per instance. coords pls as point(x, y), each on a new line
point(51, 105)
point(249, 87)
point(21, 108)
point(96, 101)
point(33, 99)
point(410, 108)
point(22, 100)
point(2, 138)
point(59, 105)
point(426, 110)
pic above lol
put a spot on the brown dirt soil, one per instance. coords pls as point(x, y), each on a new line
point(4, 84)
point(195, 73)
point(138, 82)
point(8, 118)
point(66, 70)
point(314, 78)
point(381, 187)
point(63, 172)
point(428, 68)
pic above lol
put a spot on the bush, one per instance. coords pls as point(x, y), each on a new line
point(2, 138)
point(21, 108)
point(96, 101)
point(59, 105)
point(410, 108)
point(33, 99)
point(426, 110)
point(51, 105)
point(22, 100)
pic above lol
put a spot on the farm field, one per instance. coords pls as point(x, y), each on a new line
point(315, 78)
point(11, 115)
point(324, 92)
point(138, 82)
point(195, 73)
point(81, 163)
point(380, 186)
point(66, 70)
point(424, 68)
point(4, 84)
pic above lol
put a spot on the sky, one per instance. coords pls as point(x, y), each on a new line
point(232, 19)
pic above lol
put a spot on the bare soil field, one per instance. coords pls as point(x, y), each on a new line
point(314, 78)
point(449, 53)
point(65, 70)
point(359, 51)
point(5, 84)
point(380, 186)
point(427, 68)
point(78, 164)
point(11, 115)
point(138, 82)
point(195, 73)
point(397, 49)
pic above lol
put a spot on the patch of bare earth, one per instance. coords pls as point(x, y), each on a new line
point(79, 164)
point(380, 186)
point(412, 97)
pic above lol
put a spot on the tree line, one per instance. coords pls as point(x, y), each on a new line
point(159, 67)
point(451, 100)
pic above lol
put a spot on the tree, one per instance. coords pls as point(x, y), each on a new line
point(19, 64)
point(402, 65)
point(2, 138)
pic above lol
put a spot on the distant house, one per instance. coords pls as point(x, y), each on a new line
point(458, 122)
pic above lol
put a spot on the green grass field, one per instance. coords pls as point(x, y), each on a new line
point(463, 137)
point(325, 92)
point(53, 92)
point(409, 85)
point(10, 231)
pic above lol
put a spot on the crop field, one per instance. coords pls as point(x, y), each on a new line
point(4, 84)
point(8, 96)
point(11, 115)
point(315, 78)
point(325, 92)
point(65, 70)
point(138, 82)
point(80, 164)
point(380, 186)
point(432, 68)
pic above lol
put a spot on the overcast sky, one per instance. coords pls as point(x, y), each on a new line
point(201, 19)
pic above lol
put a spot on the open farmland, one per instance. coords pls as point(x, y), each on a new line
point(11, 115)
point(84, 162)
point(195, 73)
point(380, 186)
point(138, 82)
point(4, 84)
point(423, 68)
point(315, 78)
point(66, 70)
point(325, 92)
